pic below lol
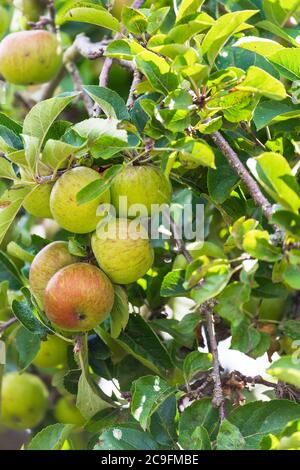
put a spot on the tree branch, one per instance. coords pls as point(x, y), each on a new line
point(135, 81)
point(218, 397)
point(259, 199)
point(78, 86)
point(50, 88)
point(7, 324)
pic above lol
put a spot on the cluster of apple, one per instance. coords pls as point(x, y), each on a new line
point(77, 296)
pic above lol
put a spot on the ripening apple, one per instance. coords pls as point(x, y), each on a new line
point(66, 412)
point(37, 202)
point(63, 203)
point(52, 353)
point(145, 184)
point(78, 297)
point(4, 20)
point(123, 255)
point(46, 263)
point(24, 400)
point(30, 57)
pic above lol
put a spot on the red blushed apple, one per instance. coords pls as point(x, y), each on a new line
point(78, 297)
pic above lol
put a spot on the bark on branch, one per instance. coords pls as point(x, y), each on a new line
point(259, 199)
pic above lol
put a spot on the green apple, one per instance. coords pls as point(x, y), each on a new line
point(30, 57)
point(123, 255)
point(66, 412)
point(145, 184)
point(4, 20)
point(46, 263)
point(78, 297)
point(52, 353)
point(272, 309)
point(24, 400)
point(31, 9)
point(37, 203)
point(64, 207)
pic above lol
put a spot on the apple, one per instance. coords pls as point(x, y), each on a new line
point(123, 256)
point(4, 20)
point(24, 400)
point(272, 309)
point(66, 412)
point(31, 9)
point(64, 207)
point(52, 353)
point(37, 203)
point(30, 57)
point(46, 263)
point(78, 297)
point(145, 184)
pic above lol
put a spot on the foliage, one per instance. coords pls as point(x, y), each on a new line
point(208, 92)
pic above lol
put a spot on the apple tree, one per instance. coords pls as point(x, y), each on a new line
point(110, 341)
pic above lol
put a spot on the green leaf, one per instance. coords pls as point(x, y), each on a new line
point(94, 189)
point(134, 21)
point(262, 46)
point(201, 414)
point(287, 369)
point(163, 426)
point(23, 310)
point(277, 31)
point(119, 49)
point(260, 82)
point(110, 102)
point(87, 12)
point(148, 393)
point(222, 30)
point(157, 71)
point(10, 123)
point(10, 272)
point(230, 437)
point(172, 284)
point(89, 401)
point(195, 152)
point(279, 11)
point(287, 61)
point(291, 275)
point(27, 345)
point(6, 170)
point(41, 116)
point(139, 340)
point(187, 7)
point(267, 114)
point(257, 244)
point(50, 438)
point(156, 19)
point(32, 152)
point(221, 180)
point(125, 438)
point(10, 203)
point(56, 152)
point(196, 362)
point(120, 312)
point(291, 328)
point(214, 281)
point(275, 175)
point(9, 141)
point(257, 419)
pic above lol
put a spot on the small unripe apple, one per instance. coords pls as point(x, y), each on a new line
point(4, 20)
point(31, 9)
point(52, 353)
point(46, 263)
point(272, 309)
point(24, 400)
point(63, 203)
point(145, 184)
point(37, 203)
point(66, 412)
point(78, 297)
point(30, 57)
point(123, 256)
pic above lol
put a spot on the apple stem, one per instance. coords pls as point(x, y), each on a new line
point(78, 343)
